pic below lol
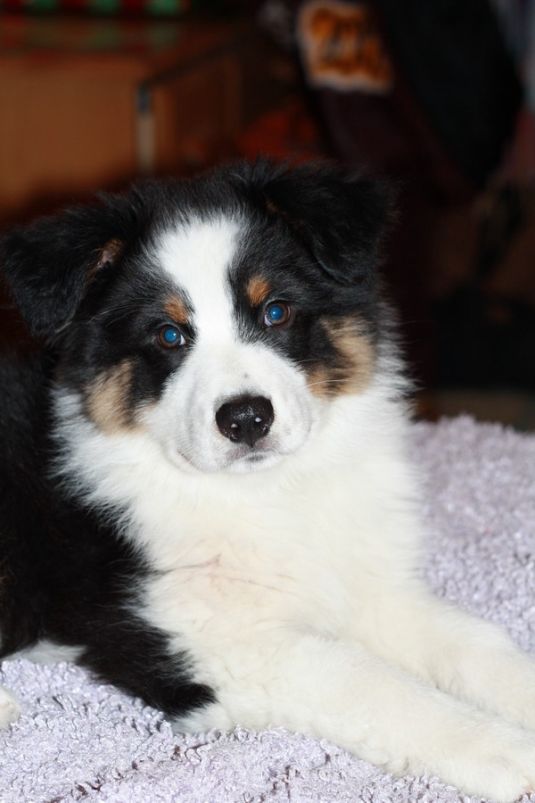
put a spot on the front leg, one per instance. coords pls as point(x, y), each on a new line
point(338, 691)
point(461, 654)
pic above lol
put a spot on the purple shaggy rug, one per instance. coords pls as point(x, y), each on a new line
point(81, 740)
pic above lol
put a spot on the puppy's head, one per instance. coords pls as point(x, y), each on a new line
point(222, 316)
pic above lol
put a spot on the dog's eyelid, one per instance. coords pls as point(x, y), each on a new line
point(278, 298)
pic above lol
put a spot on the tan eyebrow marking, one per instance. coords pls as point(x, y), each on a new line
point(257, 290)
point(176, 309)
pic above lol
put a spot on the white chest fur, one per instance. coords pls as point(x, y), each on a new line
point(308, 543)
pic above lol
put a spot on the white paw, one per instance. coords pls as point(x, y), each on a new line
point(497, 763)
point(9, 709)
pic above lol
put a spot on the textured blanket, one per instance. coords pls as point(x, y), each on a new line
point(81, 740)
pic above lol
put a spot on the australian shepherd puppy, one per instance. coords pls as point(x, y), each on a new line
point(205, 491)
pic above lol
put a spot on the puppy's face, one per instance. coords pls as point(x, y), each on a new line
point(216, 320)
point(236, 397)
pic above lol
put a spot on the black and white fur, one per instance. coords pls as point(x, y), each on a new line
point(272, 579)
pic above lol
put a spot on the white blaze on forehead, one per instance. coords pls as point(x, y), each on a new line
point(197, 255)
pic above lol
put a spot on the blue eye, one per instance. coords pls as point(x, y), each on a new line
point(171, 337)
point(277, 313)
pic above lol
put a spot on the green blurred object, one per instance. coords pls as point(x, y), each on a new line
point(44, 5)
point(164, 7)
point(153, 8)
point(106, 6)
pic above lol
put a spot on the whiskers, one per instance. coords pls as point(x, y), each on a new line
point(328, 382)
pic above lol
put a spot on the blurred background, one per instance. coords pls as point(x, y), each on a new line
point(438, 97)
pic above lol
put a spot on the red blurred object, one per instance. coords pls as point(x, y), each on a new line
point(287, 133)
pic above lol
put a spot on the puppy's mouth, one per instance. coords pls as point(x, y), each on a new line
point(239, 460)
point(254, 460)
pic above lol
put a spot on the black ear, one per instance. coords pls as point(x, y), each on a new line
point(341, 217)
point(49, 264)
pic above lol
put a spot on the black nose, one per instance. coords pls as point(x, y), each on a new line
point(245, 419)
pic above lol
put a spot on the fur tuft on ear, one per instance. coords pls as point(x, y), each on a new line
point(340, 217)
point(50, 264)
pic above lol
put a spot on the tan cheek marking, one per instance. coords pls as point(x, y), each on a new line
point(175, 308)
point(257, 290)
point(354, 364)
point(107, 399)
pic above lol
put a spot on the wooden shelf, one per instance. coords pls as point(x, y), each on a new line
point(89, 104)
